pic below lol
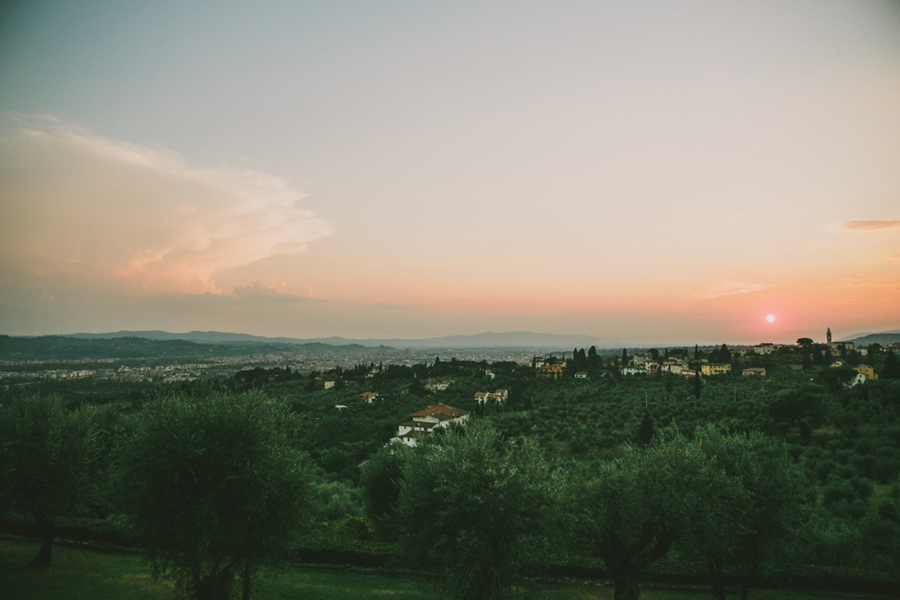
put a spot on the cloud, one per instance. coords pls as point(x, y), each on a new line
point(77, 206)
point(729, 288)
point(276, 292)
point(869, 225)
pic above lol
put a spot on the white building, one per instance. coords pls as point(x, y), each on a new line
point(422, 423)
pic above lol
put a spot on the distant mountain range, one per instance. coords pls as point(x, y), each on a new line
point(197, 343)
point(883, 338)
point(130, 345)
point(516, 339)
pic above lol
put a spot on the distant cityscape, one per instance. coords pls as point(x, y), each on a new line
point(178, 370)
point(220, 360)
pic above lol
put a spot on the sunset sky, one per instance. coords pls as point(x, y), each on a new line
point(664, 172)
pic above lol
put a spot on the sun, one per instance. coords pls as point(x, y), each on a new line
point(770, 318)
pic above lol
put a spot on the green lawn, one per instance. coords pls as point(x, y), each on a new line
point(329, 584)
point(77, 574)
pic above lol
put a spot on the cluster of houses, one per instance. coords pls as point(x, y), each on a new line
point(677, 365)
point(680, 364)
point(421, 424)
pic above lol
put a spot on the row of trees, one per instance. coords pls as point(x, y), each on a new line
point(214, 487)
point(483, 512)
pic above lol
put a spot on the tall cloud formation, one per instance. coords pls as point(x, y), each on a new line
point(77, 207)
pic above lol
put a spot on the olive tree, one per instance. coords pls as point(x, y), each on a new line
point(380, 478)
point(473, 509)
point(46, 454)
point(767, 518)
point(634, 508)
point(214, 489)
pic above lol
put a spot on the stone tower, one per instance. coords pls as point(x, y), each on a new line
point(828, 336)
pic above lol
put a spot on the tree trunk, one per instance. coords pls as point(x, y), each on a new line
point(626, 563)
point(718, 579)
point(46, 531)
point(628, 586)
point(748, 576)
point(215, 586)
point(247, 579)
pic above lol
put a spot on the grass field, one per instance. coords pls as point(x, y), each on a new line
point(80, 574)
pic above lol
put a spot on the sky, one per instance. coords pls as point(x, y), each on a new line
point(663, 172)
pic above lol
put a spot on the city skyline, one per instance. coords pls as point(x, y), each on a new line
point(667, 173)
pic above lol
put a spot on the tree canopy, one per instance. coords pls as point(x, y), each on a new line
point(634, 508)
point(765, 520)
point(474, 509)
point(380, 478)
point(46, 452)
point(214, 488)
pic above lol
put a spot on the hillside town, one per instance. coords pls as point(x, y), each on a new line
point(846, 360)
point(552, 365)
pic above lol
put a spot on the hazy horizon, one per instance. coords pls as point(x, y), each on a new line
point(483, 340)
point(670, 171)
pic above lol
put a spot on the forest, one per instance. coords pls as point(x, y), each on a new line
point(784, 479)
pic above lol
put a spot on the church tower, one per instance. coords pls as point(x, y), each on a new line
point(828, 336)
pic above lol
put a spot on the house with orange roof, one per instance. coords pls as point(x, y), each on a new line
point(423, 422)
